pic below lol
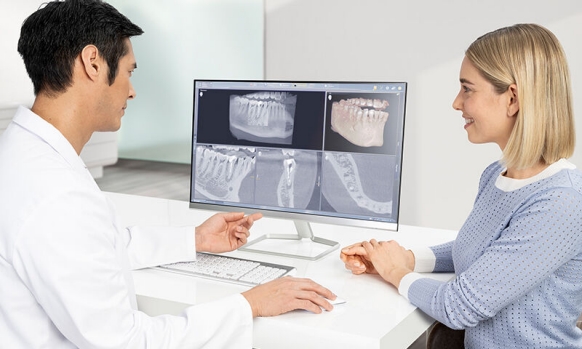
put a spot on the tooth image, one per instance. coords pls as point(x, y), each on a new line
point(220, 171)
point(266, 117)
point(288, 178)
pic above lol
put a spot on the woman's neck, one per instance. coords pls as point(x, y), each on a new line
point(525, 172)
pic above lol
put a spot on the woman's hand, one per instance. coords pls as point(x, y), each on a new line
point(356, 259)
point(389, 259)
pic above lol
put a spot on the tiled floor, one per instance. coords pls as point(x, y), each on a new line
point(148, 178)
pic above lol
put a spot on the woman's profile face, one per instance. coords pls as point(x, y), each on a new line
point(489, 116)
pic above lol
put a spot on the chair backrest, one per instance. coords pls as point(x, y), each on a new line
point(440, 336)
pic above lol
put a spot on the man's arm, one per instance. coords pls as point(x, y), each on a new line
point(75, 263)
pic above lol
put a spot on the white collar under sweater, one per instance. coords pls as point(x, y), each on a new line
point(510, 184)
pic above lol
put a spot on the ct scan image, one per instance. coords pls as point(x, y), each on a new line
point(266, 117)
point(225, 173)
point(288, 178)
point(358, 183)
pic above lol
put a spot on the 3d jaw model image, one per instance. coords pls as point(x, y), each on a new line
point(266, 117)
point(220, 171)
point(360, 121)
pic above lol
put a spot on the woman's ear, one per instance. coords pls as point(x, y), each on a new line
point(513, 104)
point(91, 62)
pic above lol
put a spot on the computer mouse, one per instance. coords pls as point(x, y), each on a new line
point(337, 301)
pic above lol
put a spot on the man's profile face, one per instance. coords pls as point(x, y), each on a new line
point(114, 97)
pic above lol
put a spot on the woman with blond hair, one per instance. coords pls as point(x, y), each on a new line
point(518, 257)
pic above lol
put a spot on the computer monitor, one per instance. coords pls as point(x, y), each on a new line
point(324, 152)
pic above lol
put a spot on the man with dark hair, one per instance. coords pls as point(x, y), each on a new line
point(52, 38)
point(65, 264)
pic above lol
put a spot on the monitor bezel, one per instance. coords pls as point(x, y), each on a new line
point(301, 216)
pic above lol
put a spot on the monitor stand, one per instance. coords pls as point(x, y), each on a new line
point(304, 245)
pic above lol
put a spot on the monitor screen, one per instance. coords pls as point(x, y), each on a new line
point(327, 152)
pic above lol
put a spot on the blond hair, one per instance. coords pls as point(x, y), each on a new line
point(531, 57)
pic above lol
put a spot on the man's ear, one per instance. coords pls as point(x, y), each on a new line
point(91, 61)
point(513, 104)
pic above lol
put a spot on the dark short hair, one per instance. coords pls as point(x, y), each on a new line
point(53, 37)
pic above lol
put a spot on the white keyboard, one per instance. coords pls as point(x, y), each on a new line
point(230, 269)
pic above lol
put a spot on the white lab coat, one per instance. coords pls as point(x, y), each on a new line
point(65, 264)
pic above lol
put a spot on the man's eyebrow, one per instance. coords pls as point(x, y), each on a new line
point(465, 81)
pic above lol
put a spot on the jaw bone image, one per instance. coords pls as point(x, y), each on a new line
point(360, 121)
point(266, 117)
point(342, 173)
point(221, 170)
point(286, 178)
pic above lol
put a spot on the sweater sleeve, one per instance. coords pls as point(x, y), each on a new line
point(437, 258)
point(443, 257)
point(541, 237)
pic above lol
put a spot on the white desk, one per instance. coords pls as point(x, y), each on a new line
point(375, 315)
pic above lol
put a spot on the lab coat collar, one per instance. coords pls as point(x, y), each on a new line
point(36, 125)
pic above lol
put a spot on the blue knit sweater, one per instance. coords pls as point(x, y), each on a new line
point(517, 261)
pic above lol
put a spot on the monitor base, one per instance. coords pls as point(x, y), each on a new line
point(303, 245)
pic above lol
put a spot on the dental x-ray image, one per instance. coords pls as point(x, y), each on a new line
point(225, 173)
point(248, 118)
point(266, 117)
point(288, 178)
point(358, 183)
point(320, 150)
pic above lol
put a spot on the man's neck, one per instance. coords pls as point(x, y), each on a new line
point(66, 116)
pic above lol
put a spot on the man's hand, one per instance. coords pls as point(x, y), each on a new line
point(286, 294)
point(224, 232)
point(356, 259)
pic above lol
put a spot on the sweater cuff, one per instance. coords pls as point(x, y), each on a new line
point(424, 259)
point(406, 282)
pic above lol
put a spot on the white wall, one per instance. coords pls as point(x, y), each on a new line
point(183, 40)
point(421, 42)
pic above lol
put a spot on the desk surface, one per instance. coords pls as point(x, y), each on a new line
point(375, 315)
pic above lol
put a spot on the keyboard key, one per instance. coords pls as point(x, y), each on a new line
point(230, 269)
